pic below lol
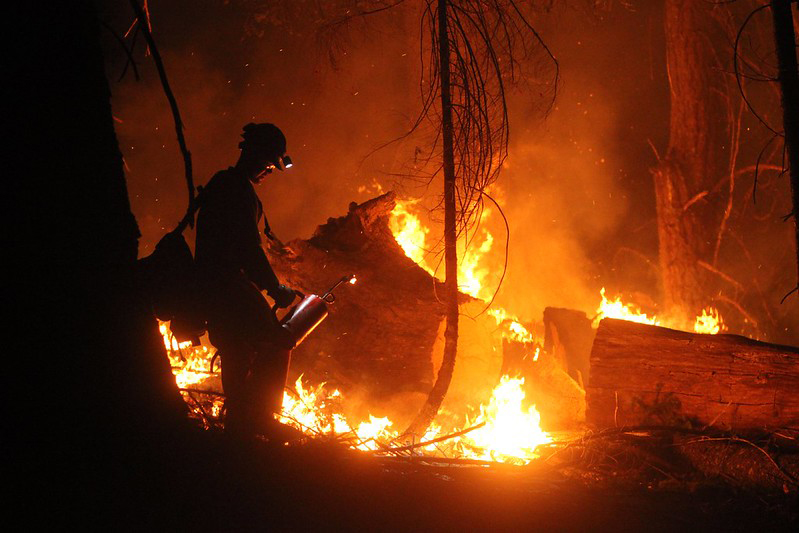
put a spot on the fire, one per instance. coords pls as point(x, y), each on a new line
point(190, 364)
point(510, 433)
point(471, 276)
point(514, 330)
point(617, 309)
point(709, 322)
point(411, 235)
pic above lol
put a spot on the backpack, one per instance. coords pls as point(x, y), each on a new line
point(169, 276)
point(170, 281)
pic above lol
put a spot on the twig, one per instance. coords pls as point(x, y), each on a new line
point(433, 441)
point(127, 51)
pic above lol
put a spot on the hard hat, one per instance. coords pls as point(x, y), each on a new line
point(266, 137)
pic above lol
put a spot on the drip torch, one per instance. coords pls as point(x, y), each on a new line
point(303, 318)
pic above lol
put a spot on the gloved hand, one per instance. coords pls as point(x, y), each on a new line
point(283, 296)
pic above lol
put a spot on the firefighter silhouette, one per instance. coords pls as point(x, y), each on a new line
point(232, 270)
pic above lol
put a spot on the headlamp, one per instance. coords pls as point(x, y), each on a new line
point(287, 163)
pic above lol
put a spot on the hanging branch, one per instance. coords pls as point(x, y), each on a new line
point(143, 22)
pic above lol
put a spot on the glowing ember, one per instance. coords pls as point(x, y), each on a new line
point(709, 322)
point(616, 309)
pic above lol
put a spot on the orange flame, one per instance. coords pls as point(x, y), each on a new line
point(511, 433)
point(411, 235)
point(617, 309)
point(709, 321)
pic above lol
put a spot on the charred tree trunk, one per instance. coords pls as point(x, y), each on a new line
point(439, 390)
point(92, 357)
point(789, 80)
point(695, 159)
point(648, 375)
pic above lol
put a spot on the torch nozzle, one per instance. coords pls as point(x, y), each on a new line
point(329, 297)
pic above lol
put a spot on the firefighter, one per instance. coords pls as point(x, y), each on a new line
point(232, 270)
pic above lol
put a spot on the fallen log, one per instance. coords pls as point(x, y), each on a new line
point(642, 374)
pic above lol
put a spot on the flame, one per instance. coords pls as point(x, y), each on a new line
point(191, 366)
point(513, 329)
point(709, 321)
point(510, 433)
point(471, 276)
point(617, 309)
point(411, 235)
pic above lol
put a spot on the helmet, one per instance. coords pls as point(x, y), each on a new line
point(264, 137)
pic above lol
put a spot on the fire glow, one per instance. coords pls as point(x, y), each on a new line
point(501, 429)
point(505, 431)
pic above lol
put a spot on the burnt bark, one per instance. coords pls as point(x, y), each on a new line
point(695, 159)
point(789, 83)
point(648, 375)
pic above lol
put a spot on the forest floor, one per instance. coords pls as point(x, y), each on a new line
point(209, 483)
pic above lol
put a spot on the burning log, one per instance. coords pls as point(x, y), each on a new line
point(381, 332)
point(643, 374)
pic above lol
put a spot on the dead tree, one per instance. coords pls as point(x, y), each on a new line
point(476, 49)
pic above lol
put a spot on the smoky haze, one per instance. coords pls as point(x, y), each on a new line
point(576, 188)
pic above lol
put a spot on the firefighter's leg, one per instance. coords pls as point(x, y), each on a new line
point(270, 369)
point(236, 359)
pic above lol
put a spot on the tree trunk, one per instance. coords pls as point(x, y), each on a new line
point(439, 390)
point(648, 375)
point(96, 390)
point(789, 81)
point(695, 159)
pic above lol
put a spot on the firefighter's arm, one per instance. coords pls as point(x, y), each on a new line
point(258, 269)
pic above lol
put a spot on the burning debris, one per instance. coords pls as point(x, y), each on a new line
point(358, 378)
